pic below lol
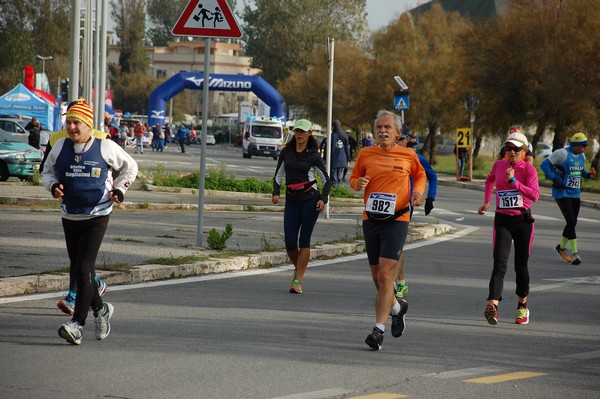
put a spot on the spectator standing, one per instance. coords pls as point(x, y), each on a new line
point(368, 140)
point(139, 131)
point(168, 134)
point(181, 137)
point(463, 157)
point(352, 144)
point(565, 167)
point(158, 138)
point(340, 152)
point(34, 128)
point(124, 129)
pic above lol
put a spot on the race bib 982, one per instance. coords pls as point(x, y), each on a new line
point(382, 203)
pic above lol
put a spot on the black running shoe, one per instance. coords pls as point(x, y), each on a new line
point(398, 324)
point(375, 339)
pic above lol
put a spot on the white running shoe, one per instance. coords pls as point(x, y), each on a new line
point(102, 320)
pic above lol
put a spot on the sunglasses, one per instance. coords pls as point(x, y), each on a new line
point(511, 148)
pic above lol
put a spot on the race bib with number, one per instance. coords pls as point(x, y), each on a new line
point(509, 199)
point(573, 182)
point(382, 203)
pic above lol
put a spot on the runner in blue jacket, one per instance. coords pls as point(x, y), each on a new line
point(565, 167)
point(408, 140)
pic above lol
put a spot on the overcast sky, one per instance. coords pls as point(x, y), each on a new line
point(381, 12)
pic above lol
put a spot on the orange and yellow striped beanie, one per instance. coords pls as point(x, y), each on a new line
point(82, 111)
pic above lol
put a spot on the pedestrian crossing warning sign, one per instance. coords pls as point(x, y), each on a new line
point(401, 102)
point(207, 18)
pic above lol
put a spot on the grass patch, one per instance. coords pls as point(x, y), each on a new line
point(173, 261)
point(115, 267)
point(217, 178)
point(127, 240)
point(168, 236)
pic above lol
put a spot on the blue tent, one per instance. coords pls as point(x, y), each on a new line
point(21, 101)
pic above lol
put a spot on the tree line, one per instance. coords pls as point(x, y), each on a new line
point(536, 65)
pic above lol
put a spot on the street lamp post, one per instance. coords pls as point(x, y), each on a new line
point(44, 59)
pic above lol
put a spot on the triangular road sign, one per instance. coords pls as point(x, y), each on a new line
point(207, 18)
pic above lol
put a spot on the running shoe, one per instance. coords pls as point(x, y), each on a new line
point(294, 276)
point(522, 316)
point(576, 259)
point(491, 314)
point(72, 332)
point(296, 287)
point(398, 321)
point(400, 289)
point(562, 254)
point(67, 305)
point(102, 320)
point(102, 287)
point(375, 339)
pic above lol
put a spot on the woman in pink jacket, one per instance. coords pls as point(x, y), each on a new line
point(516, 188)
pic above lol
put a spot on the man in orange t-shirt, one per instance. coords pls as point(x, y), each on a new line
point(383, 172)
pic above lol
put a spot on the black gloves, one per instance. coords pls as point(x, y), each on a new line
point(428, 205)
point(53, 189)
point(557, 183)
point(119, 194)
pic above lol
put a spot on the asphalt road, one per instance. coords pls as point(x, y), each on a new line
point(242, 335)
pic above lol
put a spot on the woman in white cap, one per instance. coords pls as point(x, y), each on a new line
point(299, 163)
point(517, 187)
point(565, 167)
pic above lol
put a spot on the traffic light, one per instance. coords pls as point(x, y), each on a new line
point(64, 90)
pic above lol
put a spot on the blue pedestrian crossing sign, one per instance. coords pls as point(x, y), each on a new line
point(401, 102)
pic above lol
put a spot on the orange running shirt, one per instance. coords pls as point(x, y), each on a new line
point(389, 172)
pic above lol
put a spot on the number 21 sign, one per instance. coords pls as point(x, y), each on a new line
point(463, 137)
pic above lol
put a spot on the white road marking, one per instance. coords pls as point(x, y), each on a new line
point(578, 280)
point(465, 372)
point(584, 355)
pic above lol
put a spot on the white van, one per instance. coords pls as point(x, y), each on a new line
point(263, 136)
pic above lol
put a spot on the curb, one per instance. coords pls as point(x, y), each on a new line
point(24, 285)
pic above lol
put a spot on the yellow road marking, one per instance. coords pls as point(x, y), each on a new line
point(381, 396)
point(504, 377)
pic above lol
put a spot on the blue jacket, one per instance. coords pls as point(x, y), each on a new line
point(340, 149)
point(567, 166)
point(431, 177)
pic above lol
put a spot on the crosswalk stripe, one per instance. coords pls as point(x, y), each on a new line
point(520, 375)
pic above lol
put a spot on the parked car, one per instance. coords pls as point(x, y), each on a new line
point(542, 150)
point(17, 158)
point(196, 137)
point(16, 127)
point(210, 139)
